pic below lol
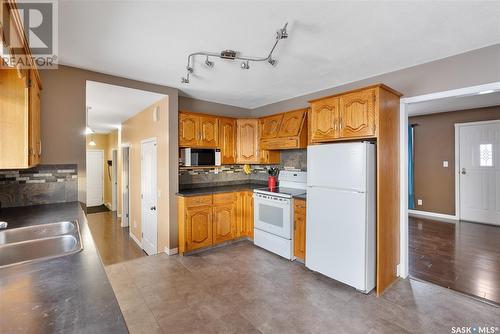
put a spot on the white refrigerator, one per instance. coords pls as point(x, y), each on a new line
point(340, 229)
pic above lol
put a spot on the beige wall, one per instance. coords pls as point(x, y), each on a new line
point(435, 143)
point(136, 129)
point(194, 105)
point(63, 125)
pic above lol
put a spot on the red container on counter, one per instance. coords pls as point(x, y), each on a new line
point(272, 182)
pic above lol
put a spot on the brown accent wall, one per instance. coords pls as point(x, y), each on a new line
point(435, 143)
point(63, 125)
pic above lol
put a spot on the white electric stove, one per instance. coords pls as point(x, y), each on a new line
point(273, 213)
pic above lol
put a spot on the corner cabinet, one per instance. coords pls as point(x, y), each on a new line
point(197, 130)
point(20, 139)
point(247, 141)
point(208, 220)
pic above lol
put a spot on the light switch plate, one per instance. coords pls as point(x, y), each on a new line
point(445, 164)
point(419, 202)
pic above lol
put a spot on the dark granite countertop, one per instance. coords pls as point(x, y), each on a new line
point(302, 196)
point(70, 294)
point(215, 189)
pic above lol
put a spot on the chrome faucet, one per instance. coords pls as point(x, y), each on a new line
point(3, 225)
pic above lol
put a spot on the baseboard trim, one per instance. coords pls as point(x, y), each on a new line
point(172, 251)
point(434, 215)
point(135, 239)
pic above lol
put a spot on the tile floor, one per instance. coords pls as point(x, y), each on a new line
point(244, 289)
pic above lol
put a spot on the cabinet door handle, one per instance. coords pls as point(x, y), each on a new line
point(340, 123)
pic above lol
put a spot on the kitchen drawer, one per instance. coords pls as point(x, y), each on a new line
point(225, 198)
point(198, 200)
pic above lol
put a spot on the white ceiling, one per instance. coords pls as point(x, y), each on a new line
point(330, 43)
point(454, 104)
point(112, 105)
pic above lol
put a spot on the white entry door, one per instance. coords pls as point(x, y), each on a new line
point(95, 177)
point(149, 196)
point(479, 172)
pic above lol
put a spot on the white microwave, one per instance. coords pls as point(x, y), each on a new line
point(200, 157)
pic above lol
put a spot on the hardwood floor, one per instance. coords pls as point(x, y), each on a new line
point(464, 256)
point(113, 241)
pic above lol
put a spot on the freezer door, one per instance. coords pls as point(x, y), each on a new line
point(339, 166)
point(336, 233)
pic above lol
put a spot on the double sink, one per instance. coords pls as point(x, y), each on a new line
point(39, 242)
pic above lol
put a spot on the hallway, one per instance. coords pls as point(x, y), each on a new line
point(112, 240)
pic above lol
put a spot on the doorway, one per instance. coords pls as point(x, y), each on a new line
point(444, 137)
point(149, 195)
point(478, 170)
point(95, 177)
point(125, 187)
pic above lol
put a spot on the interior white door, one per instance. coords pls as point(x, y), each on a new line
point(95, 177)
point(114, 180)
point(149, 196)
point(479, 172)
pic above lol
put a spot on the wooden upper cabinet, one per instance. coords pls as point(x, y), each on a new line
point(198, 227)
point(269, 126)
point(209, 133)
point(247, 141)
point(35, 143)
point(224, 222)
point(291, 123)
point(227, 140)
point(188, 129)
point(324, 120)
point(357, 114)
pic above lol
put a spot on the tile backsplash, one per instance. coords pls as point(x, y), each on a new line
point(43, 184)
point(231, 174)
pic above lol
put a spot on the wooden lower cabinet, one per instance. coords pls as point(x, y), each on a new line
point(299, 231)
point(211, 219)
point(224, 222)
point(198, 227)
point(245, 226)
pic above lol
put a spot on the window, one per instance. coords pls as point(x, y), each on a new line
point(486, 155)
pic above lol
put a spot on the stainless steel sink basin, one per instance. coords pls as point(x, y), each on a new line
point(36, 232)
point(39, 242)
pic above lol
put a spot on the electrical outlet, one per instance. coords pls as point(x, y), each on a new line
point(445, 164)
point(419, 202)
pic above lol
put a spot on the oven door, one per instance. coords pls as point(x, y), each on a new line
point(273, 214)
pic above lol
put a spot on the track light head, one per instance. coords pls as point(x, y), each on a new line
point(282, 34)
point(185, 80)
point(209, 63)
point(245, 65)
point(272, 61)
point(189, 69)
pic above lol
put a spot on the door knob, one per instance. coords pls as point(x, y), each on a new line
point(463, 171)
point(153, 208)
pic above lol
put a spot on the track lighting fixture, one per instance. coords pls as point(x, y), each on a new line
point(234, 55)
point(209, 63)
